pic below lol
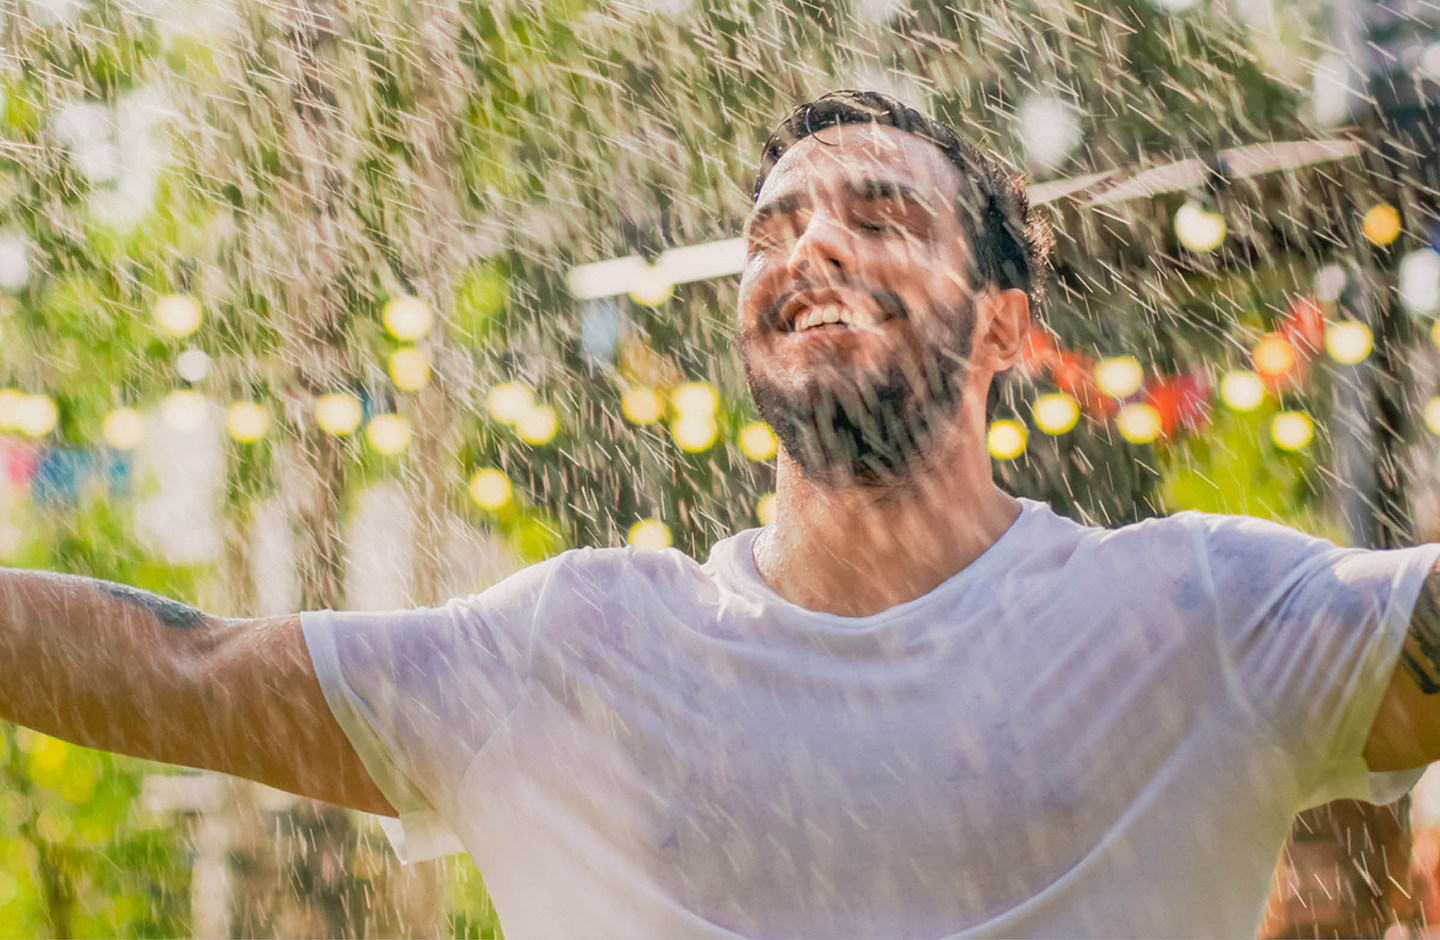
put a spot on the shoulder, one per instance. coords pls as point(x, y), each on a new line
point(592, 575)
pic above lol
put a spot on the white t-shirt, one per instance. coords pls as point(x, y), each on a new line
point(1085, 732)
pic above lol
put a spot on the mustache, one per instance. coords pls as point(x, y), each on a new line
point(887, 300)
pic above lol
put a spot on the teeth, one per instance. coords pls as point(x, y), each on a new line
point(834, 313)
point(846, 317)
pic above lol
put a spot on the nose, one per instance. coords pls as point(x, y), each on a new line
point(825, 249)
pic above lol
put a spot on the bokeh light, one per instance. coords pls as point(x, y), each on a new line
point(409, 369)
point(1006, 439)
point(178, 314)
point(123, 428)
point(1273, 356)
point(651, 288)
point(1056, 412)
point(757, 441)
point(408, 318)
point(1242, 390)
point(1139, 422)
point(1292, 430)
point(338, 413)
point(388, 433)
point(1198, 229)
point(1432, 415)
point(695, 398)
point(247, 421)
point(1381, 224)
point(650, 535)
point(490, 488)
point(694, 431)
point(537, 424)
point(1119, 376)
point(1348, 341)
point(642, 405)
point(507, 401)
point(184, 410)
point(192, 365)
point(1418, 282)
point(765, 509)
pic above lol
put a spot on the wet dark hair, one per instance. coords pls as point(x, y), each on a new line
point(1010, 241)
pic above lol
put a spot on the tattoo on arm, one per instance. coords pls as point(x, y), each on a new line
point(171, 613)
point(1421, 653)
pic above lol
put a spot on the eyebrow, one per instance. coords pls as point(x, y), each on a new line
point(866, 190)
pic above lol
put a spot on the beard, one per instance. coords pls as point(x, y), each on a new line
point(873, 429)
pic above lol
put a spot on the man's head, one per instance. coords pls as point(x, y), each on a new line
point(928, 255)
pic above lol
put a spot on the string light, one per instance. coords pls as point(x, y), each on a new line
point(184, 409)
point(1056, 412)
point(247, 421)
point(1273, 356)
point(338, 413)
point(1348, 341)
point(1006, 439)
point(641, 405)
point(123, 428)
point(508, 401)
point(1291, 430)
point(537, 424)
point(192, 365)
point(36, 415)
point(409, 369)
point(1138, 422)
point(1119, 376)
point(650, 535)
point(178, 314)
point(388, 433)
point(1242, 390)
point(1381, 224)
point(765, 509)
point(694, 431)
point(1198, 229)
point(490, 488)
point(407, 318)
point(757, 441)
point(1418, 282)
point(651, 287)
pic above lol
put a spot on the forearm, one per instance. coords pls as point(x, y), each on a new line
point(99, 663)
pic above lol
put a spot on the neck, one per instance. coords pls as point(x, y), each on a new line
point(858, 550)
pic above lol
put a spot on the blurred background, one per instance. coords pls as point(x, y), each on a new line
point(334, 303)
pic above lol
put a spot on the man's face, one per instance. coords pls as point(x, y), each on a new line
point(856, 311)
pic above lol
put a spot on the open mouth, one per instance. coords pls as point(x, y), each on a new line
point(833, 313)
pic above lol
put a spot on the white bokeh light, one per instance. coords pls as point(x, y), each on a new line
point(1419, 282)
point(14, 261)
point(1049, 130)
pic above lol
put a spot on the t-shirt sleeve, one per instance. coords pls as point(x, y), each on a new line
point(419, 692)
point(1311, 633)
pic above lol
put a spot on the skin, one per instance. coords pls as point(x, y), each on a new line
point(844, 546)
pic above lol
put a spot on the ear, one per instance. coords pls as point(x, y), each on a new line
point(1004, 319)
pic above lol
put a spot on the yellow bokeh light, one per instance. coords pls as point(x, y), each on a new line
point(1242, 390)
point(694, 432)
point(247, 421)
point(1006, 439)
point(695, 398)
point(1381, 224)
point(1348, 341)
point(765, 509)
point(757, 441)
point(338, 413)
point(1056, 412)
point(1198, 229)
point(1291, 430)
point(36, 415)
point(178, 314)
point(490, 488)
point(1120, 376)
point(650, 535)
point(408, 318)
point(409, 369)
point(10, 407)
point(388, 433)
point(1435, 333)
point(642, 405)
point(1432, 415)
point(508, 401)
point(537, 424)
point(651, 288)
point(1273, 356)
point(123, 428)
point(1138, 423)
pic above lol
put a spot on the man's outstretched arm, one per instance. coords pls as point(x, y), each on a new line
point(117, 668)
point(1406, 732)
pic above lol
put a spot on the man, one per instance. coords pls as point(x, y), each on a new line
point(912, 707)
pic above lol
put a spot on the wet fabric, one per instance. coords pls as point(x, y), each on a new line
point(1085, 732)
